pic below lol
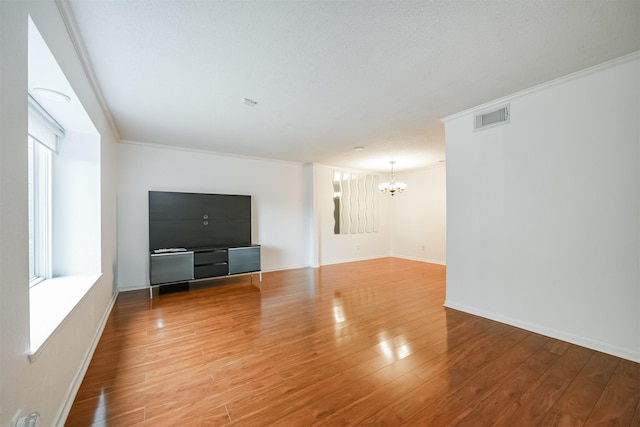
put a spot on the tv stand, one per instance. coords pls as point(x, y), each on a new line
point(189, 264)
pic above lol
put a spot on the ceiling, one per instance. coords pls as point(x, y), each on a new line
point(329, 76)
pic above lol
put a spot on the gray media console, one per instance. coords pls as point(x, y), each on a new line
point(203, 263)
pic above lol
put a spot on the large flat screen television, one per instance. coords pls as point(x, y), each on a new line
point(196, 220)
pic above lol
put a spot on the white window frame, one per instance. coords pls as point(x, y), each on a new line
point(39, 212)
point(43, 134)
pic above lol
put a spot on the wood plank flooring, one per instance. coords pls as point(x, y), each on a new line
point(363, 343)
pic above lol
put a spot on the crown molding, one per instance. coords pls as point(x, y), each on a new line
point(207, 152)
point(74, 34)
point(569, 77)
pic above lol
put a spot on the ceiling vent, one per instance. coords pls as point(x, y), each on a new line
point(493, 118)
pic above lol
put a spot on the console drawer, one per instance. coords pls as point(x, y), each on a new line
point(211, 270)
point(210, 256)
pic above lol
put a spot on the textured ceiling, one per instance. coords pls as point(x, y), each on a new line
point(332, 75)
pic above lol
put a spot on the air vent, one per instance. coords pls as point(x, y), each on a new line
point(492, 118)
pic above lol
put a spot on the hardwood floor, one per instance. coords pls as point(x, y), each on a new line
point(359, 343)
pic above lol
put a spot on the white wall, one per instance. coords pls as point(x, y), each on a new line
point(337, 248)
point(280, 207)
point(76, 209)
point(543, 221)
point(412, 224)
point(47, 384)
point(292, 209)
point(420, 216)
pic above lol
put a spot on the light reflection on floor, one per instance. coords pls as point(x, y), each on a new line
point(392, 351)
point(101, 409)
point(392, 347)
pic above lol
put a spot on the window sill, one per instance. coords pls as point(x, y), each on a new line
point(50, 302)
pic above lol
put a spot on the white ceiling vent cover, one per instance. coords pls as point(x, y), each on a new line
point(493, 118)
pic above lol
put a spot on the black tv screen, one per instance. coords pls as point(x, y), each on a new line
point(194, 220)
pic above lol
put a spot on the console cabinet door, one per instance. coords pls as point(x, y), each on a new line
point(171, 267)
point(244, 260)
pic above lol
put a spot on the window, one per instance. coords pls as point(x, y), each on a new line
point(42, 143)
point(39, 212)
point(64, 195)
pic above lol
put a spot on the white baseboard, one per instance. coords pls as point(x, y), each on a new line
point(604, 347)
point(343, 261)
point(147, 286)
point(77, 381)
point(291, 267)
point(133, 288)
point(427, 260)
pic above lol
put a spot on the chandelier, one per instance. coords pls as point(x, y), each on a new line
point(392, 187)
